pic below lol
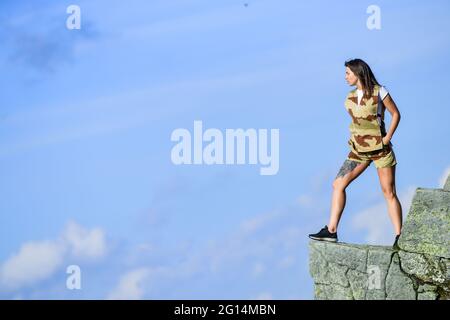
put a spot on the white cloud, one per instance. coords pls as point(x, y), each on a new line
point(130, 285)
point(39, 260)
point(376, 220)
point(443, 177)
point(85, 243)
point(35, 261)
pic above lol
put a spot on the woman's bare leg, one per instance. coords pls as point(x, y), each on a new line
point(349, 171)
point(387, 181)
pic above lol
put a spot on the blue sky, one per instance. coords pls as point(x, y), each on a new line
point(86, 118)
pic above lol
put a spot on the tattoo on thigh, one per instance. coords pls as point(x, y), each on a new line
point(347, 167)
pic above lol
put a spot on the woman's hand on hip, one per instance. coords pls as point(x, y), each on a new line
point(386, 140)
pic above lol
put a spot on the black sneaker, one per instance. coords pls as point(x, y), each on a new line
point(324, 235)
point(395, 245)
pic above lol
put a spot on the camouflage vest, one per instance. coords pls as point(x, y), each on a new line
point(367, 126)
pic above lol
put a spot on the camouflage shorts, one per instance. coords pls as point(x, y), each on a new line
point(382, 158)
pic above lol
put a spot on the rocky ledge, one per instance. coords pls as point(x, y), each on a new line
point(419, 269)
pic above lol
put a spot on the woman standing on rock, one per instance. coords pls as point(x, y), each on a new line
point(368, 142)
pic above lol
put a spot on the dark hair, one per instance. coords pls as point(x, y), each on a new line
point(365, 75)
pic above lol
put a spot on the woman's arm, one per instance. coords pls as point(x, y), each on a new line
point(393, 110)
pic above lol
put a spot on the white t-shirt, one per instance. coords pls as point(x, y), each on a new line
point(383, 93)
